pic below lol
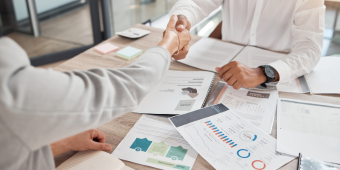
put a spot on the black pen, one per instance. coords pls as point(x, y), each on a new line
point(299, 162)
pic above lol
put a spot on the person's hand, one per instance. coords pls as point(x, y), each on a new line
point(182, 24)
point(170, 39)
point(90, 140)
point(239, 75)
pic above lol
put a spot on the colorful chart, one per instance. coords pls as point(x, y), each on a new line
point(190, 92)
point(255, 166)
point(220, 134)
point(243, 153)
point(248, 136)
point(141, 144)
point(159, 149)
point(177, 153)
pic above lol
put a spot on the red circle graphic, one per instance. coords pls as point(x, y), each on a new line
point(264, 165)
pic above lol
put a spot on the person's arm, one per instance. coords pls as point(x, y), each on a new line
point(43, 106)
point(195, 10)
point(92, 139)
point(189, 13)
point(307, 33)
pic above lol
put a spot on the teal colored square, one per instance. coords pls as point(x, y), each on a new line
point(129, 52)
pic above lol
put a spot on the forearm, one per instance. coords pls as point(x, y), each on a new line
point(307, 38)
point(49, 105)
point(59, 147)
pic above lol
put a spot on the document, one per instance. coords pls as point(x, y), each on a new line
point(89, 160)
point(179, 92)
point(254, 57)
point(207, 54)
point(227, 141)
point(153, 141)
point(257, 107)
point(325, 79)
point(312, 129)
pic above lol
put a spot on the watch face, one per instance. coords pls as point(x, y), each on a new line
point(270, 72)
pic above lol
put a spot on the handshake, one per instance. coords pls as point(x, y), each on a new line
point(176, 37)
point(176, 40)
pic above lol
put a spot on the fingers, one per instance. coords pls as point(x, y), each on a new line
point(232, 80)
point(185, 38)
point(223, 70)
point(218, 69)
point(99, 135)
point(237, 86)
point(182, 20)
point(182, 54)
point(172, 22)
point(99, 146)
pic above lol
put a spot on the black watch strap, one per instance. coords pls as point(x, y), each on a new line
point(269, 72)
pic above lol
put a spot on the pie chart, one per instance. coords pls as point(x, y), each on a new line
point(191, 92)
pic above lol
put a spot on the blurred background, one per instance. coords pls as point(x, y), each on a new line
point(54, 30)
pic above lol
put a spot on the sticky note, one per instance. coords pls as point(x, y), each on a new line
point(129, 53)
point(106, 48)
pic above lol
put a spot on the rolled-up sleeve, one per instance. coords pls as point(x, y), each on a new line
point(195, 10)
point(307, 33)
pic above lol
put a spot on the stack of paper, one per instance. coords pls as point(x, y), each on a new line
point(257, 107)
point(310, 128)
point(227, 141)
point(207, 54)
point(325, 79)
point(179, 92)
point(153, 141)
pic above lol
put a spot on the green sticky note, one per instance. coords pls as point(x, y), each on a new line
point(129, 53)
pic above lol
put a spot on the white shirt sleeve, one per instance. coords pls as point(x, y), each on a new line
point(195, 10)
point(307, 31)
point(42, 106)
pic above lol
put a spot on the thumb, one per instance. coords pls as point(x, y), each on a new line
point(180, 28)
point(99, 146)
point(172, 22)
point(217, 69)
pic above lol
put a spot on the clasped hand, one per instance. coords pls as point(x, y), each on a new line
point(174, 42)
point(239, 75)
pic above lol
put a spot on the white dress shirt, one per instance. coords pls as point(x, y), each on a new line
point(292, 26)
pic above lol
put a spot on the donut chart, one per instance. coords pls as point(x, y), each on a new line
point(257, 168)
point(248, 136)
point(191, 92)
point(243, 156)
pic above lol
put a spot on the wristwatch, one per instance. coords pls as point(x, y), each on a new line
point(270, 74)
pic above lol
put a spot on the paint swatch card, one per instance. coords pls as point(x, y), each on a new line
point(227, 141)
point(153, 141)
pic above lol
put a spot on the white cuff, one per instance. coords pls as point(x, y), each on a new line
point(283, 69)
point(186, 13)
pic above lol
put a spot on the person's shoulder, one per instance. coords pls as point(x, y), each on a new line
point(11, 54)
